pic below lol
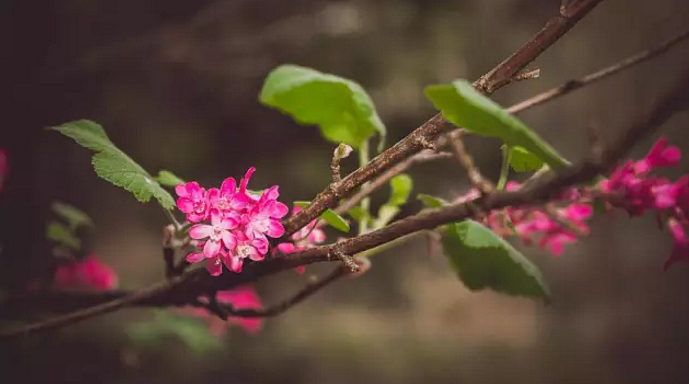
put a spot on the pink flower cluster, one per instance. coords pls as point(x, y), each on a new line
point(232, 224)
point(553, 226)
point(90, 273)
point(305, 238)
point(630, 187)
point(242, 297)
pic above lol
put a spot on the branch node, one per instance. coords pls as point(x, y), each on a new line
point(347, 260)
point(427, 144)
point(477, 180)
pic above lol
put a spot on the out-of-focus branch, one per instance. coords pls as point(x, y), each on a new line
point(424, 156)
point(477, 180)
point(601, 74)
point(306, 292)
point(557, 26)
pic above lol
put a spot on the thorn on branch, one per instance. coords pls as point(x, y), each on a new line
point(527, 75)
point(427, 144)
point(347, 260)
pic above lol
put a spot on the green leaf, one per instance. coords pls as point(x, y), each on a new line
point(62, 235)
point(114, 165)
point(464, 106)
point(401, 186)
point(168, 179)
point(522, 160)
point(340, 107)
point(194, 333)
point(329, 216)
point(385, 215)
point(431, 201)
point(484, 260)
point(75, 217)
point(359, 214)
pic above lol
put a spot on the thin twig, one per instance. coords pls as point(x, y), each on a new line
point(307, 291)
point(425, 155)
point(601, 74)
point(477, 180)
point(347, 260)
point(553, 30)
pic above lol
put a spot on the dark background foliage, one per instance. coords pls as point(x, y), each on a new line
point(175, 83)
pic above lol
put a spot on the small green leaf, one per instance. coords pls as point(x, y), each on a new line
point(114, 165)
point(75, 217)
point(168, 179)
point(386, 213)
point(431, 201)
point(401, 186)
point(334, 220)
point(340, 107)
point(465, 107)
point(522, 160)
point(484, 260)
point(329, 216)
point(359, 213)
point(62, 235)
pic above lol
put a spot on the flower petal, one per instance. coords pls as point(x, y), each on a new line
point(185, 204)
point(214, 267)
point(211, 249)
point(245, 180)
point(194, 257)
point(200, 231)
point(229, 240)
point(275, 229)
point(228, 187)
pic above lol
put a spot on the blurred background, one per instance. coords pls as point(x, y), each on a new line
point(175, 83)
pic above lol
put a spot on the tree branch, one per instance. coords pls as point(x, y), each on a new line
point(302, 295)
point(426, 133)
point(184, 289)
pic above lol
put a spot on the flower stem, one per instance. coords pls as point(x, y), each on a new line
point(505, 168)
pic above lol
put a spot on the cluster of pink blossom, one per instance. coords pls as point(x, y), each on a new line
point(90, 273)
point(631, 187)
point(231, 223)
point(305, 238)
point(242, 297)
point(4, 168)
point(555, 225)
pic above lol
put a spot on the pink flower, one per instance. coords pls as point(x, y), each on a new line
point(242, 297)
point(226, 199)
point(680, 251)
point(239, 222)
point(263, 218)
point(192, 201)
point(659, 156)
point(305, 238)
point(218, 234)
point(4, 168)
point(89, 273)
